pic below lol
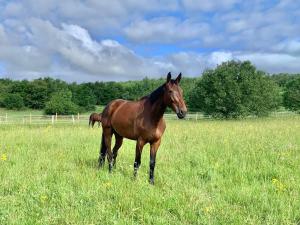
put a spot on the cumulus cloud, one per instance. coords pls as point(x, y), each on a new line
point(273, 62)
point(106, 40)
point(74, 48)
point(206, 5)
point(166, 30)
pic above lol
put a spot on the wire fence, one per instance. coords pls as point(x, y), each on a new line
point(84, 119)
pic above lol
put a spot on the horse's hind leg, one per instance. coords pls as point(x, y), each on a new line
point(107, 138)
point(118, 144)
point(93, 122)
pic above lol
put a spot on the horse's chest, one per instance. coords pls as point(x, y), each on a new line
point(151, 133)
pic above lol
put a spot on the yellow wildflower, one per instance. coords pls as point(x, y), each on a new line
point(207, 209)
point(108, 184)
point(278, 184)
point(43, 198)
point(3, 157)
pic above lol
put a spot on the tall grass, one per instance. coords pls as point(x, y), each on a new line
point(207, 172)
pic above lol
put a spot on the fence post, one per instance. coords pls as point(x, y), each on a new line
point(73, 119)
point(52, 119)
point(78, 117)
point(56, 117)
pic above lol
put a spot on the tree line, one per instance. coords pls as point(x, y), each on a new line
point(233, 89)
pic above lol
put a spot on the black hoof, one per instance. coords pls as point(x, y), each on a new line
point(151, 181)
point(110, 167)
point(101, 163)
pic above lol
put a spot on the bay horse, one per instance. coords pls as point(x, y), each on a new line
point(95, 117)
point(140, 120)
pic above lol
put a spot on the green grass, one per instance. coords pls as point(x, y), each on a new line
point(207, 172)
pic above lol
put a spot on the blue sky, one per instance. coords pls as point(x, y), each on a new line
point(129, 39)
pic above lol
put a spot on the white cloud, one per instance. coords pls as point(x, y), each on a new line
point(166, 30)
point(291, 47)
point(273, 62)
point(207, 5)
point(101, 40)
point(216, 58)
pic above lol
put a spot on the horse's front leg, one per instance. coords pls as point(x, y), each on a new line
point(138, 153)
point(153, 149)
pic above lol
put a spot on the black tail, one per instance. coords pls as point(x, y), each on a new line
point(102, 153)
point(103, 146)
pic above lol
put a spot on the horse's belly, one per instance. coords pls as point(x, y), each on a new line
point(124, 131)
point(123, 122)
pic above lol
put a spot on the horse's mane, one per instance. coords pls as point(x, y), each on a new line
point(156, 94)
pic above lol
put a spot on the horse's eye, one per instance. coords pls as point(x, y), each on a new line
point(170, 91)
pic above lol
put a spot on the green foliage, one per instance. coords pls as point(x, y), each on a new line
point(235, 89)
point(283, 78)
point(36, 93)
point(84, 97)
point(61, 103)
point(13, 101)
point(291, 97)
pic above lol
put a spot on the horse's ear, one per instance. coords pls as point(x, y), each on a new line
point(169, 77)
point(177, 80)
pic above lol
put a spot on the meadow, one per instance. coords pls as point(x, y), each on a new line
point(207, 172)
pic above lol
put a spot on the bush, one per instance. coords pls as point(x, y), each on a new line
point(235, 89)
point(291, 96)
point(61, 103)
point(13, 101)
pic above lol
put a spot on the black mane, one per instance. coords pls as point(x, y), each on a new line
point(156, 94)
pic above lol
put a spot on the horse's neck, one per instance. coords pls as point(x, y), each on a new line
point(157, 110)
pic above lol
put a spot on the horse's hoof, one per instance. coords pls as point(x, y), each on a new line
point(110, 168)
point(151, 181)
point(101, 163)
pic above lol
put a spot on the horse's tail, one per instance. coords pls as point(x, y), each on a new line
point(90, 121)
point(102, 152)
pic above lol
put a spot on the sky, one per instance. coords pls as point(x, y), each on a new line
point(102, 40)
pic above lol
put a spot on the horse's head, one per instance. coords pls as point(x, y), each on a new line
point(174, 96)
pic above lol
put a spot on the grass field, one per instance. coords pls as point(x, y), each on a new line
point(207, 172)
point(34, 112)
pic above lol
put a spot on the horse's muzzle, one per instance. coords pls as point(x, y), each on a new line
point(181, 114)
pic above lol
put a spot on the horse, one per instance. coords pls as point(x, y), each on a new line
point(95, 117)
point(140, 120)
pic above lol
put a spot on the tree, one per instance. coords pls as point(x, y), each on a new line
point(84, 96)
point(13, 101)
point(291, 96)
point(61, 103)
point(235, 89)
point(283, 78)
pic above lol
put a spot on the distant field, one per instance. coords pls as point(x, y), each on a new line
point(208, 172)
point(4, 111)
